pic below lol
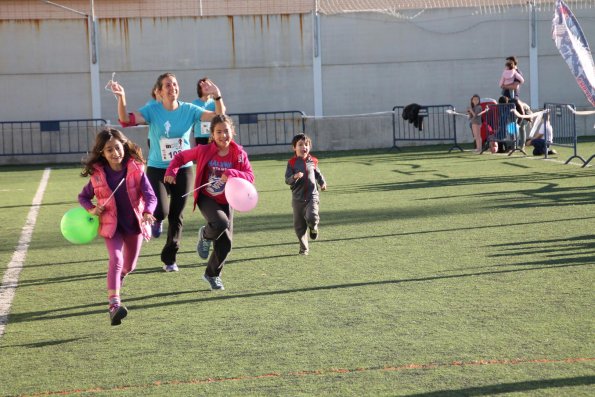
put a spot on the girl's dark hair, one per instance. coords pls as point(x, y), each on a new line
point(222, 118)
point(199, 88)
point(471, 100)
point(95, 156)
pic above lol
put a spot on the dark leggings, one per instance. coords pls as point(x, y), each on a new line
point(171, 208)
point(219, 229)
point(201, 141)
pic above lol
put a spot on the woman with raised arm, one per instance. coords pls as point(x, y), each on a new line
point(170, 124)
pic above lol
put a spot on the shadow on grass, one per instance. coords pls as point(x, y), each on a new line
point(81, 277)
point(548, 196)
point(49, 314)
point(336, 217)
point(516, 387)
point(552, 248)
point(157, 268)
point(28, 205)
point(549, 191)
point(577, 250)
point(513, 248)
point(46, 343)
point(388, 235)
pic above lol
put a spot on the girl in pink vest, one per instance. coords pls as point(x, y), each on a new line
point(125, 205)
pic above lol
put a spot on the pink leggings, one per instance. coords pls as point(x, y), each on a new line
point(123, 253)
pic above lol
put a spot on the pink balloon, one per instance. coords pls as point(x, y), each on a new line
point(241, 194)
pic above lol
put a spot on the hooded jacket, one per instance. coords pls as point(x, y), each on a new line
point(305, 188)
point(201, 154)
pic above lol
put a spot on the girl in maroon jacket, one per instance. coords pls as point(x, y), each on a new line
point(125, 205)
point(215, 163)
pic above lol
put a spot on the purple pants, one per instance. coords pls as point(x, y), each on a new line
point(123, 253)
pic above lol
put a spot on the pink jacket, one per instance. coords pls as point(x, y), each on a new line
point(201, 154)
point(509, 76)
point(108, 220)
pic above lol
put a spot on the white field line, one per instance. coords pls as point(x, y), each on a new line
point(11, 275)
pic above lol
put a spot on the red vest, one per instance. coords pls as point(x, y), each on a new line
point(108, 220)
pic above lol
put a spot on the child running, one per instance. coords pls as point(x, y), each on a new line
point(215, 162)
point(302, 175)
point(125, 205)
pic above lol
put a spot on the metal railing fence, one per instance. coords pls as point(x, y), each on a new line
point(48, 136)
point(424, 123)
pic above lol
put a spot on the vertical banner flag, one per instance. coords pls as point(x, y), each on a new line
point(573, 47)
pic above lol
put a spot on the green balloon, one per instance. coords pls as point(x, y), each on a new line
point(78, 226)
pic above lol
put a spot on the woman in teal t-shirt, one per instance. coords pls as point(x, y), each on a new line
point(170, 125)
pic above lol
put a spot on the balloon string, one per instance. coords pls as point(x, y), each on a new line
point(201, 186)
point(114, 192)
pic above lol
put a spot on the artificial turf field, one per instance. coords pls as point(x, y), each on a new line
point(435, 274)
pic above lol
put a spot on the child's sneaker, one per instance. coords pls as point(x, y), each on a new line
point(215, 282)
point(203, 245)
point(157, 229)
point(171, 268)
point(117, 313)
point(314, 233)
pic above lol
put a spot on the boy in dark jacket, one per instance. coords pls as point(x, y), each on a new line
point(303, 176)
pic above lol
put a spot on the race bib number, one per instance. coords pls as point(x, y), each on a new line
point(170, 147)
point(205, 127)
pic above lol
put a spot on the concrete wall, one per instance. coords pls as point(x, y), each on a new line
point(370, 63)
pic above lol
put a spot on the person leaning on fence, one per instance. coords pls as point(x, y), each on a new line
point(170, 124)
point(125, 204)
point(302, 175)
point(523, 123)
point(202, 130)
point(542, 132)
point(581, 112)
point(216, 162)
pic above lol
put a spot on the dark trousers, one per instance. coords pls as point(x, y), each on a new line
point(171, 208)
point(201, 141)
point(219, 229)
point(305, 215)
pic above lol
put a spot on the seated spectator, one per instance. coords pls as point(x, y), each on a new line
point(542, 133)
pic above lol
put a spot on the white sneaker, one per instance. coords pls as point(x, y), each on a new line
point(171, 268)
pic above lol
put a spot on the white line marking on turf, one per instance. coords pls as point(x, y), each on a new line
point(11, 275)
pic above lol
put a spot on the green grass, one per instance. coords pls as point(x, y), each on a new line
point(435, 274)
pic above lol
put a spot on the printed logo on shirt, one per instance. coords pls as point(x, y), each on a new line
point(167, 126)
point(216, 169)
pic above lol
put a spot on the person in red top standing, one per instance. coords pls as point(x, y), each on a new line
point(302, 175)
point(215, 163)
